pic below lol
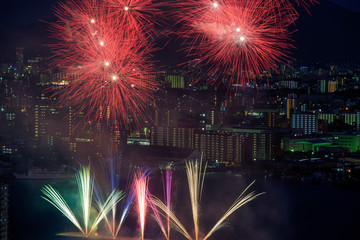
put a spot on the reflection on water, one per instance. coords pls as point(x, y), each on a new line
point(287, 211)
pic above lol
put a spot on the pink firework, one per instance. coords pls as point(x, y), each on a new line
point(141, 192)
point(106, 65)
point(237, 39)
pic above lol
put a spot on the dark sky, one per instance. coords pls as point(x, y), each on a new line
point(29, 11)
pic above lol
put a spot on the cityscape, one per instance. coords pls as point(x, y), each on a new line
point(294, 127)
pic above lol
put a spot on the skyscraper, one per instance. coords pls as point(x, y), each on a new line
point(306, 122)
point(3, 211)
point(20, 58)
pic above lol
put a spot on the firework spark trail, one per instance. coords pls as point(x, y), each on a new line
point(239, 202)
point(85, 184)
point(136, 14)
point(167, 196)
point(237, 39)
point(195, 182)
point(53, 196)
point(157, 215)
point(141, 190)
point(105, 62)
point(126, 205)
point(168, 181)
point(85, 187)
point(174, 220)
point(108, 180)
point(195, 175)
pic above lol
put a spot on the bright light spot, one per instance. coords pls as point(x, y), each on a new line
point(101, 43)
point(126, 8)
point(114, 78)
point(107, 63)
point(215, 4)
point(238, 29)
point(92, 20)
point(242, 38)
point(132, 85)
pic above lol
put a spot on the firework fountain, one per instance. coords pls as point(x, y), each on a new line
point(167, 193)
point(85, 184)
point(107, 180)
point(141, 181)
point(195, 172)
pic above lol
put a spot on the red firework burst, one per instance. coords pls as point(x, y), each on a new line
point(105, 63)
point(238, 39)
point(135, 14)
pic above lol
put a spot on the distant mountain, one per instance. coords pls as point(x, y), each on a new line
point(330, 33)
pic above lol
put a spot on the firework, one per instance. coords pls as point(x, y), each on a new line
point(167, 192)
point(107, 180)
point(135, 14)
point(195, 172)
point(85, 184)
point(141, 191)
point(167, 179)
point(105, 61)
point(237, 39)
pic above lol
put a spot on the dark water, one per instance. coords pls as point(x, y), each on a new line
point(287, 210)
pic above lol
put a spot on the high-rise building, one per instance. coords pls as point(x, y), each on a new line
point(290, 105)
point(176, 81)
point(349, 118)
point(329, 117)
point(172, 137)
point(20, 58)
point(4, 201)
point(332, 86)
point(271, 119)
point(328, 86)
point(237, 145)
point(305, 122)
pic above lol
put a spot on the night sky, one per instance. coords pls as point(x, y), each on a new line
point(29, 11)
point(21, 27)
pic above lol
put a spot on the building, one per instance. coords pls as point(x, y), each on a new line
point(20, 58)
point(237, 146)
point(305, 122)
point(351, 142)
point(290, 105)
point(271, 119)
point(172, 137)
point(176, 81)
point(4, 201)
